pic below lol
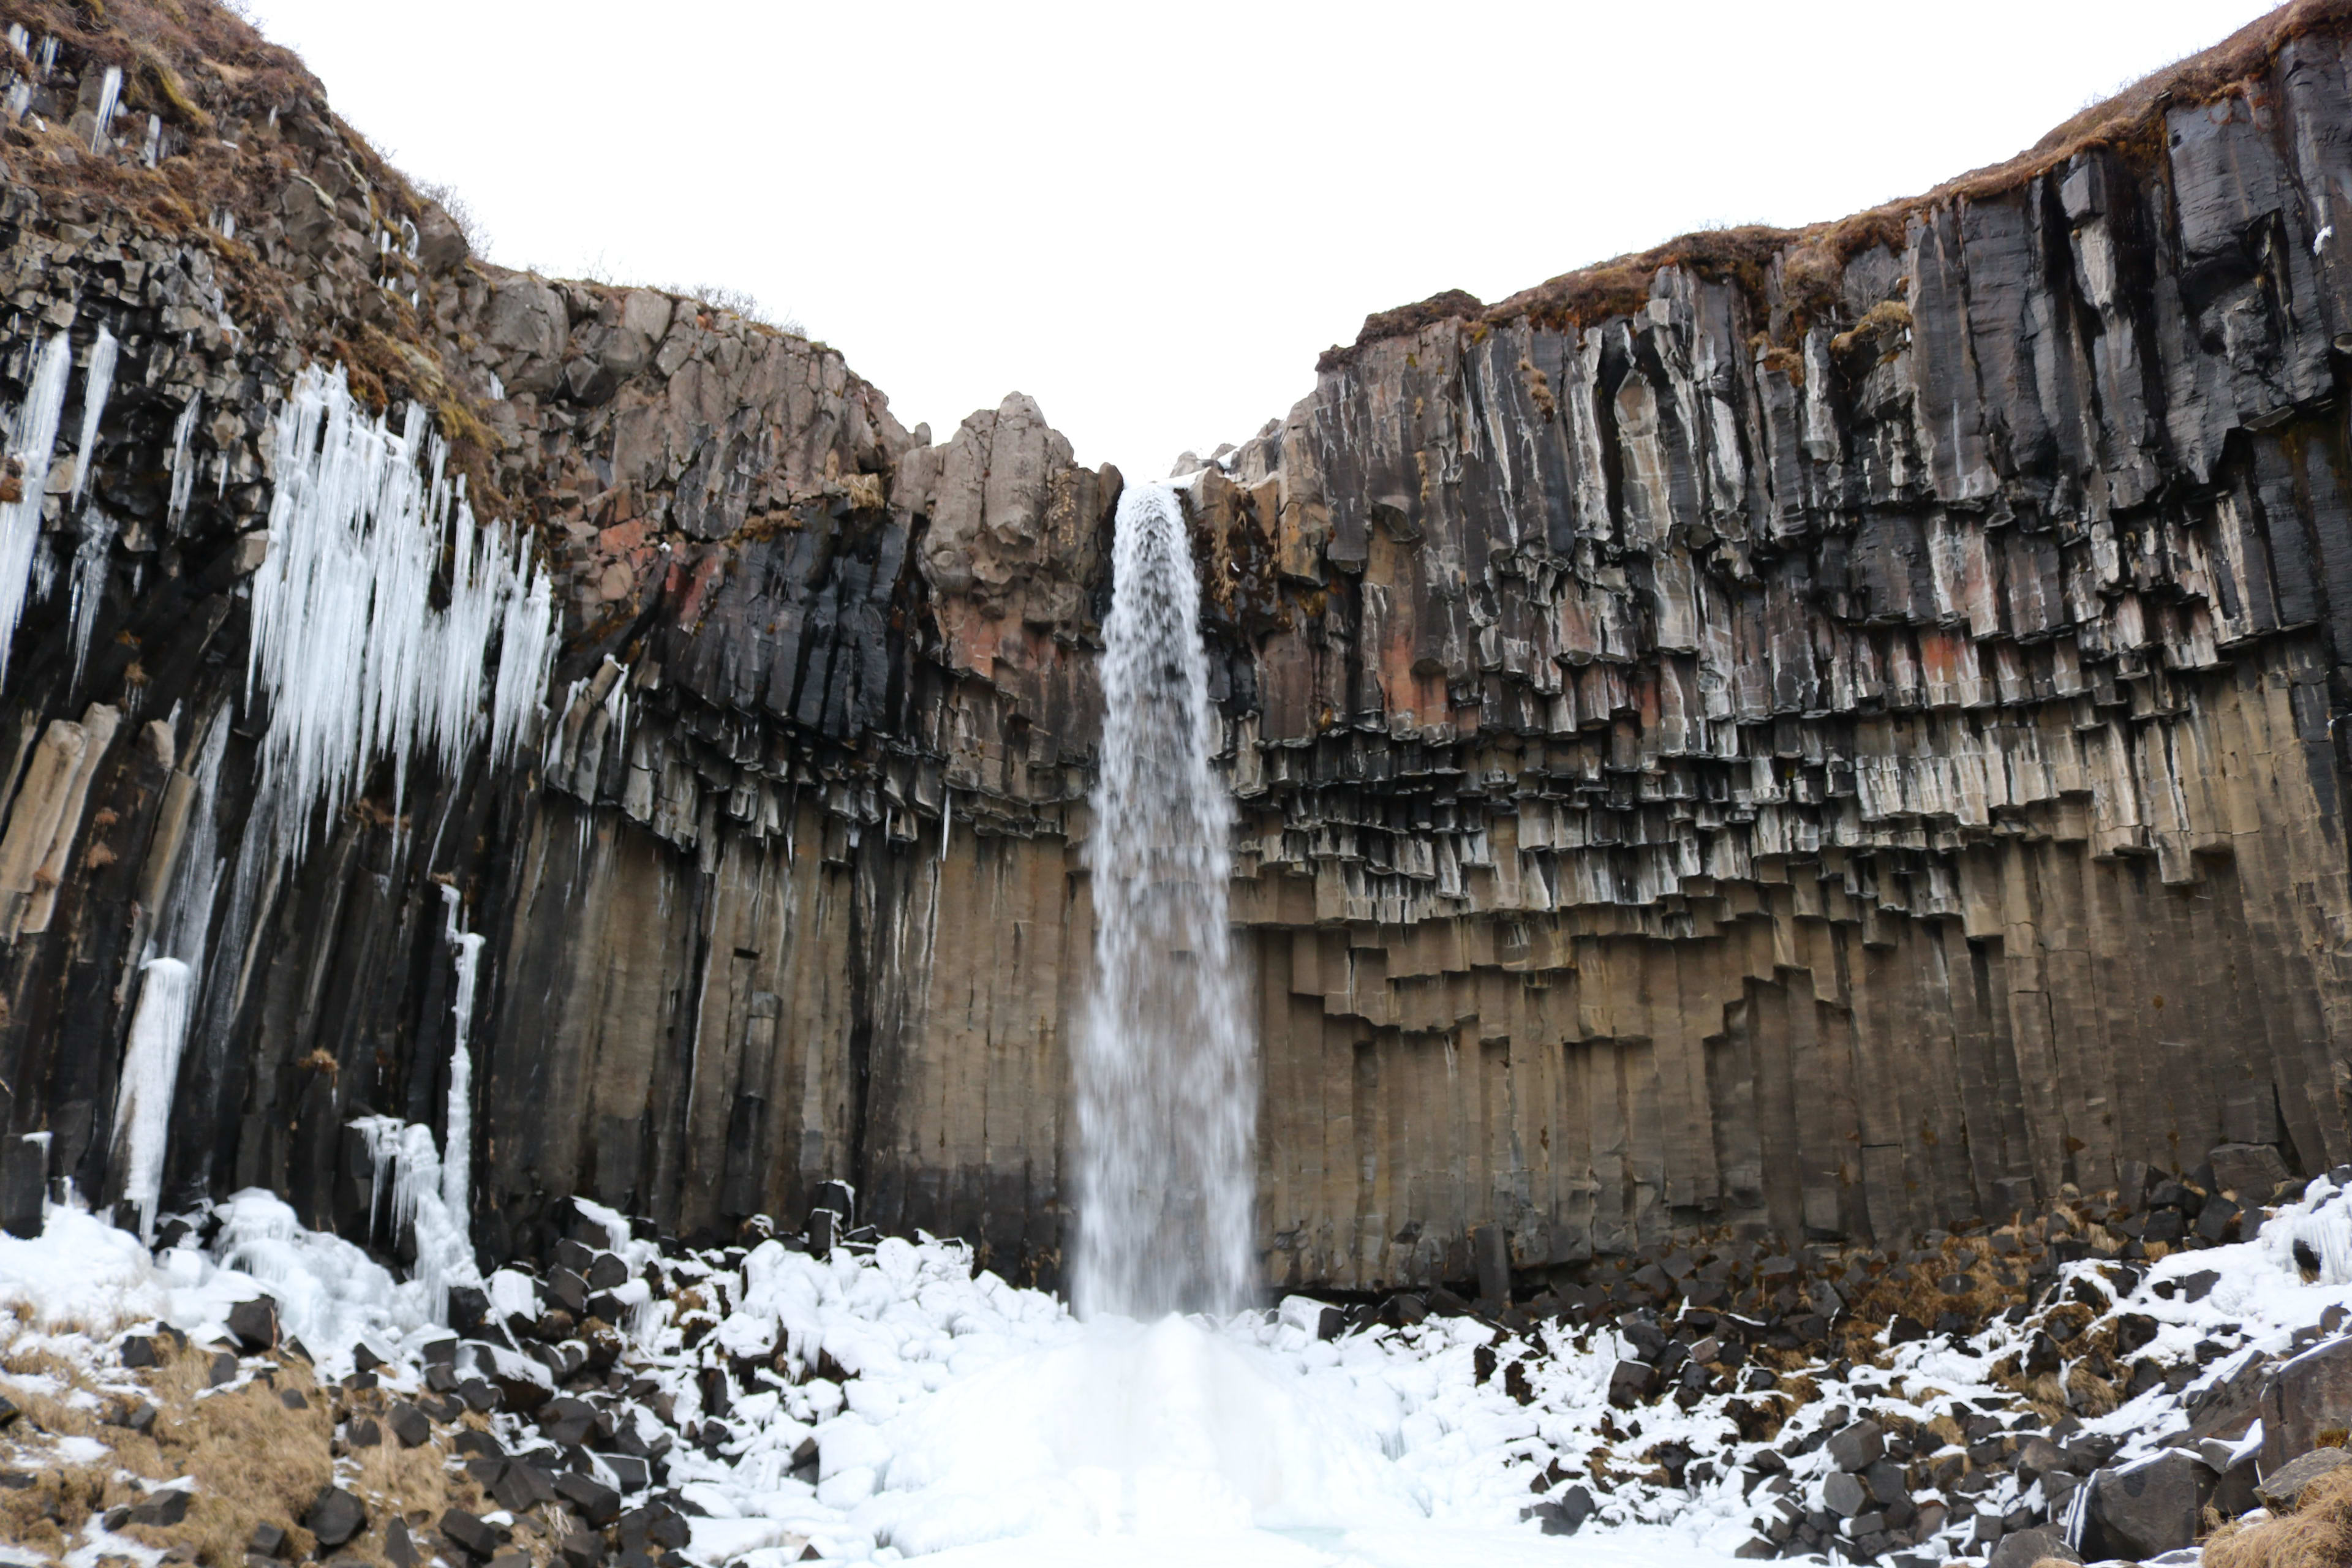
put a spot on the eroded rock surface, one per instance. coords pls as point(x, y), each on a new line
point(1832, 732)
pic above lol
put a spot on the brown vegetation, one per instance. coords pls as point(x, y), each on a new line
point(257, 1456)
point(2316, 1534)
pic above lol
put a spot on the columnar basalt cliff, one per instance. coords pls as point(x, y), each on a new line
point(1831, 731)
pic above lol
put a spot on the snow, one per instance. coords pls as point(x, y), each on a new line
point(956, 1417)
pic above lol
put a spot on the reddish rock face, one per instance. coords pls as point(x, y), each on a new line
point(1837, 737)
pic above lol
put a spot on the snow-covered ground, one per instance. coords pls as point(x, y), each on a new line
point(954, 1416)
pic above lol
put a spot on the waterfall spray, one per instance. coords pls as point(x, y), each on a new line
point(1167, 1099)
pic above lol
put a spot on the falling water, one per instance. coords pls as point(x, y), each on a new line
point(1166, 1096)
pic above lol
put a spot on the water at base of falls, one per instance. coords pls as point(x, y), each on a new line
point(1160, 1430)
point(1167, 1091)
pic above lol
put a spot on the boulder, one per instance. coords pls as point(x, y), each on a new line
point(2281, 1487)
point(1844, 1495)
point(2148, 1508)
point(527, 329)
point(409, 1425)
point(441, 245)
point(1858, 1447)
point(2025, 1548)
point(335, 1517)
point(2252, 1171)
point(591, 1498)
point(254, 1324)
point(567, 1420)
point(24, 1184)
point(2304, 1398)
point(1632, 1382)
point(471, 1533)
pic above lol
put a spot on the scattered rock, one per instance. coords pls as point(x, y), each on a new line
point(2148, 1509)
point(472, 1534)
point(335, 1517)
point(2280, 1489)
point(2043, 1543)
point(254, 1324)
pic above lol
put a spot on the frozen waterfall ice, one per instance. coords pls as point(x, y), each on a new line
point(357, 665)
point(1167, 1096)
point(32, 441)
point(456, 1159)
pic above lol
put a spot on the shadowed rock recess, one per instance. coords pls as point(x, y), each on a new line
point(1830, 731)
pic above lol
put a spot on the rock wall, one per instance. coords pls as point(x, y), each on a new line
point(1831, 731)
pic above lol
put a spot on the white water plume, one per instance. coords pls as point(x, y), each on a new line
point(1167, 1097)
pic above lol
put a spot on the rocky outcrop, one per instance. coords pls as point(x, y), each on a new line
point(1832, 732)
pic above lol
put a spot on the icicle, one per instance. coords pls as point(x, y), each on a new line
point(456, 1160)
point(89, 582)
point(947, 818)
point(404, 1152)
point(154, 147)
point(109, 92)
point(498, 388)
point(48, 60)
point(97, 386)
point(20, 40)
point(357, 664)
point(183, 472)
point(32, 442)
point(151, 1070)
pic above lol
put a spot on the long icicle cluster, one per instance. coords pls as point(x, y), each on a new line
point(32, 442)
point(355, 662)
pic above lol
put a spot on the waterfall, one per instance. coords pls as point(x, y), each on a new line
point(1167, 1095)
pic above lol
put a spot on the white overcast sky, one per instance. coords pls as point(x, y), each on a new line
point(1151, 217)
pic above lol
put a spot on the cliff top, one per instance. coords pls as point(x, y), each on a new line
point(1813, 257)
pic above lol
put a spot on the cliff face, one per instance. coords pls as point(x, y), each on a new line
point(1830, 730)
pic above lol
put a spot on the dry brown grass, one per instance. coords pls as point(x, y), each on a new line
point(253, 1459)
point(2317, 1534)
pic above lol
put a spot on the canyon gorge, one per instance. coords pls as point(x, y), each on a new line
point(1814, 735)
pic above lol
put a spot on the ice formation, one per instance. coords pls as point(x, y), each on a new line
point(1166, 1101)
point(456, 1160)
point(356, 664)
point(32, 442)
point(89, 565)
point(110, 93)
point(407, 1175)
point(184, 471)
point(151, 1069)
point(169, 982)
point(97, 385)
